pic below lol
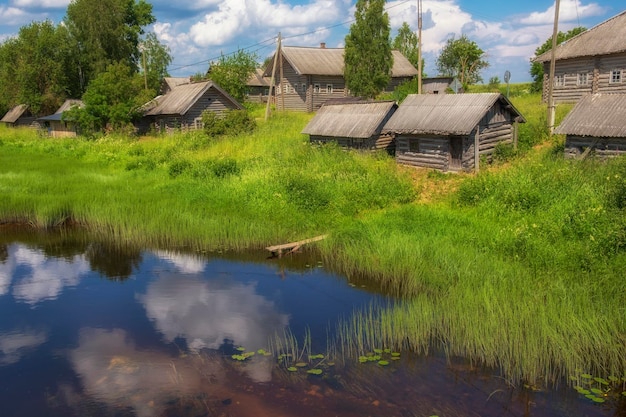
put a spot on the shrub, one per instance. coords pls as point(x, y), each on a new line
point(179, 167)
point(213, 124)
point(238, 122)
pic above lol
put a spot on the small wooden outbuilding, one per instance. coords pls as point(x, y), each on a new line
point(356, 124)
point(596, 124)
point(56, 125)
point(450, 132)
point(258, 87)
point(439, 85)
point(18, 116)
point(183, 105)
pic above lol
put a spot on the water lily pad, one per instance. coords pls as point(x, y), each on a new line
point(378, 351)
point(363, 359)
point(597, 400)
point(601, 381)
point(587, 376)
point(241, 349)
point(314, 371)
point(583, 391)
point(613, 378)
point(383, 363)
point(596, 391)
point(292, 369)
point(301, 364)
point(395, 354)
point(387, 350)
point(318, 356)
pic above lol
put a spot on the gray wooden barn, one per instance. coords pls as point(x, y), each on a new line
point(439, 85)
point(183, 105)
point(258, 87)
point(312, 76)
point(596, 124)
point(355, 124)
point(18, 116)
point(450, 132)
point(58, 126)
point(592, 62)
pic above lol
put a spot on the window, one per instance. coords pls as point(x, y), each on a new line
point(304, 87)
point(329, 88)
point(316, 88)
point(286, 88)
point(616, 77)
point(559, 80)
point(583, 78)
point(414, 145)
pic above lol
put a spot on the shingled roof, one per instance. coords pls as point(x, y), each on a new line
point(329, 61)
point(444, 114)
point(608, 37)
point(182, 97)
point(352, 120)
point(598, 115)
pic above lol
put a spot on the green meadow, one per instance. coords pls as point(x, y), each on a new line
point(520, 267)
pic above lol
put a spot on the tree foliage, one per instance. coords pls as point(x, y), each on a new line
point(111, 100)
point(536, 68)
point(37, 68)
point(231, 72)
point(107, 32)
point(157, 59)
point(367, 57)
point(407, 42)
point(462, 58)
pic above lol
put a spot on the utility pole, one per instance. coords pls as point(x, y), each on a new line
point(272, 80)
point(419, 46)
point(555, 34)
point(145, 72)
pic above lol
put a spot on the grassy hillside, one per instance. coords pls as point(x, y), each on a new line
point(520, 266)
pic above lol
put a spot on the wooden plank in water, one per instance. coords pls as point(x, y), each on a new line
point(293, 246)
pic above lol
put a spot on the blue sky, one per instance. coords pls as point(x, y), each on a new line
point(199, 31)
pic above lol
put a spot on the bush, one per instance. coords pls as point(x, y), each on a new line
point(179, 167)
point(213, 124)
point(238, 121)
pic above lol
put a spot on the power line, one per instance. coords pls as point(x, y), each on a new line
point(206, 61)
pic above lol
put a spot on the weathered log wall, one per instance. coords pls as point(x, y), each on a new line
point(575, 146)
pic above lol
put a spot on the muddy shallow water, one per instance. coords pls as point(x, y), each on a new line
point(94, 329)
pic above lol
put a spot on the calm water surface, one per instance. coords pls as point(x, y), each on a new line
point(88, 329)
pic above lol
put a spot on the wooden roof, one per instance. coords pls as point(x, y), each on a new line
point(329, 61)
point(182, 97)
point(14, 114)
point(445, 114)
point(598, 115)
point(608, 37)
point(257, 79)
point(352, 120)
point(169, 83)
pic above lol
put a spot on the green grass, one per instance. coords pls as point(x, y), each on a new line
point(519, 267)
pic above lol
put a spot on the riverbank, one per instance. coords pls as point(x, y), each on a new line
point(519, 267)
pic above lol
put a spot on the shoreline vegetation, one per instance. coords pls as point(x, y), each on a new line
point(520, 267)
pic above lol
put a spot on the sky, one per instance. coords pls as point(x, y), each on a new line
point(199, 32)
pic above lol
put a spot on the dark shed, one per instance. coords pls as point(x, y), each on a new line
point(597, 124)
point(450, 132)
point(355, 124)
point(18, 116)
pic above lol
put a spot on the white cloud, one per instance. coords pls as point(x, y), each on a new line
point(187, 264)
point(569, 10)
point(41, 3)
point(47, 277)
point(14, 344)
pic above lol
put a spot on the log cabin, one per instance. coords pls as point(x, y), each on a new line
point(591, 62)
point(451, 132)
point(19, 115)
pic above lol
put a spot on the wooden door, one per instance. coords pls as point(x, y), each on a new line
point(456, 153)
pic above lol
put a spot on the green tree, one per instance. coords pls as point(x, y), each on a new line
point(106, 32)
point(111, 100)
point(406, 41)
point(536, 68)
point(231, 72)
point(367, 56)
point(36, 68)
point(462, 58)
point(157, 59)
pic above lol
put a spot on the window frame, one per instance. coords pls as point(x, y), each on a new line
point(582, 79)
point(616, 76)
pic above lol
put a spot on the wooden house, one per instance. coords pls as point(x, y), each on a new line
point(592, 62)
point(596, 124)
point(451, 132)
point(183, 105)
point(355, 124)
point(58, 126)
point(18, 116)
point(258, 87)
point(312, 76)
